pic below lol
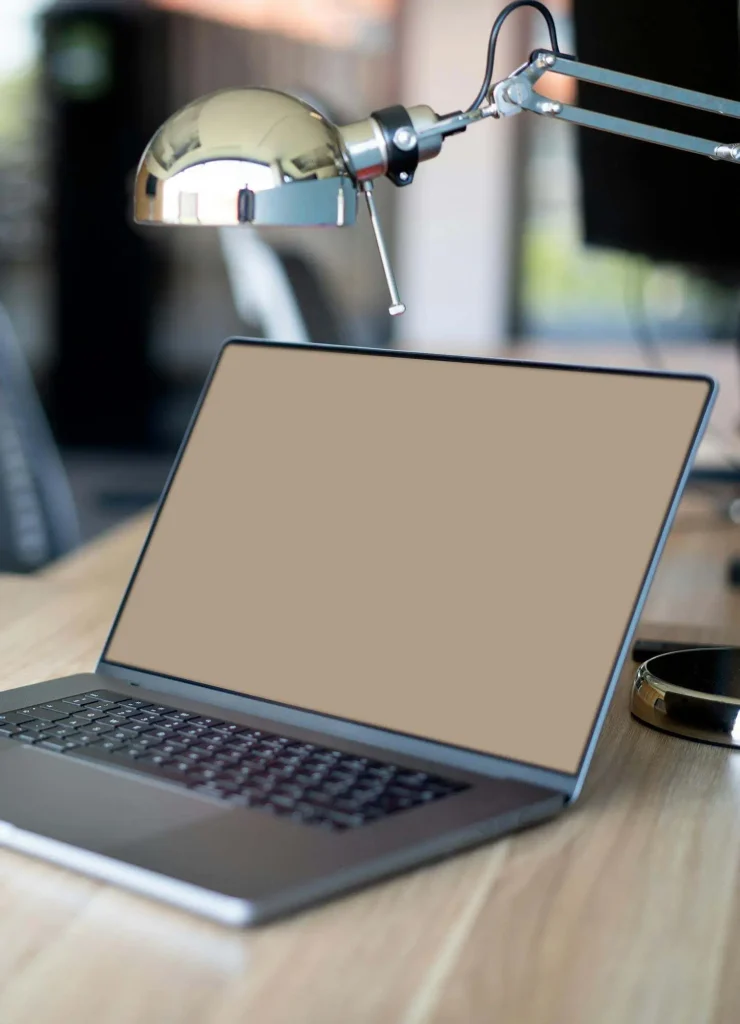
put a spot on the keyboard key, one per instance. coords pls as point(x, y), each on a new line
point(170, 747)
point(109, 695)
point(98, 728)
point(80, 701)
point(115, 720)
point(7, 730)
point(188, 758)
point(225, 756)
point(308, 778)
point(109, 744)
point(133, 729)
point(271, 744)
point(26, 737)
point(15, 718)
point(307, 813)
point(191, 734)
point(162, 732)
point(59, 732)
point(317, 759)
point(157, 758)
point(56, 745)
point(391, 804)
point(89, 715)
point(295, 750)
point(59, 705)
point(285, 761)
point(413, 779)
point(228, 788)
point(365, 794)
point(241, 742)
point(225, 729)
point(212, 739)
point(285, 803)
point(77, 722)
point(316, 796)
point(85, 736)
point(344, 820)
point(147, 742)
point(202, 750)
point(135, 704)
point(348, 805)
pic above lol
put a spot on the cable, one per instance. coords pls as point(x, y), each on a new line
point(493, 39)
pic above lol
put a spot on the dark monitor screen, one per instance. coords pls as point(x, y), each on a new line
point(644, 198)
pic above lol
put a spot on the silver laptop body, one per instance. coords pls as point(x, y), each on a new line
point(329, 667)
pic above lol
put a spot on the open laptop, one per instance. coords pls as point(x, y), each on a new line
point(379, 617)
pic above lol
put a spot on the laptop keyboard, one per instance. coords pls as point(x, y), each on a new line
point(245, 767)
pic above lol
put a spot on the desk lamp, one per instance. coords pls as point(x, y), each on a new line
point(257, 156)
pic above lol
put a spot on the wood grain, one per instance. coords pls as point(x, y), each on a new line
point(625, 909)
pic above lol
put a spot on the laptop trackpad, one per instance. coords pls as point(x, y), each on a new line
point(88, 806)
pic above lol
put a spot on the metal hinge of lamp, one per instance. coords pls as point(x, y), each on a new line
point(257, 156)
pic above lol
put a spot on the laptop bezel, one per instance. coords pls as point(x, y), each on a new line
point(400, 743)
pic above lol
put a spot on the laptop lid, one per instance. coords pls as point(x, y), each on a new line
point(445, 548)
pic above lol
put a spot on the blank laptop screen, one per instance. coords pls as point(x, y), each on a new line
point(447, 549)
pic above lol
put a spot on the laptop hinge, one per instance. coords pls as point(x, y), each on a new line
point(279, 714)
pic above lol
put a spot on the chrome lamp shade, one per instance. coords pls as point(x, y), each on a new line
point(245, 156)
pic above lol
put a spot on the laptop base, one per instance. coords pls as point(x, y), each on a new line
point(238, 866)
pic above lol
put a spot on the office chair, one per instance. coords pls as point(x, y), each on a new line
point(38, 518)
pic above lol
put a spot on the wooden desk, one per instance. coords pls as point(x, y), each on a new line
point(624, 910)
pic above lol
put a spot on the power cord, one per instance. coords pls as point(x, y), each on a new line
point(493, 39)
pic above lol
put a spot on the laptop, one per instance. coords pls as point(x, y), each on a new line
point(379, 617)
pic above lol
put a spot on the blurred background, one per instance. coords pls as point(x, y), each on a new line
point(521, 234)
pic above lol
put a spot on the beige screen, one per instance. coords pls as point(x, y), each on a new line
point(447, 549)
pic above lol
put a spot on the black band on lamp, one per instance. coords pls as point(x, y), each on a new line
point(400, 138)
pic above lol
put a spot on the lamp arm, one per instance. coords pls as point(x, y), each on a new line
point(516, 93)
point(394, 141)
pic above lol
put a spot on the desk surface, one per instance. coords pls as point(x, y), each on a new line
point(625, 909)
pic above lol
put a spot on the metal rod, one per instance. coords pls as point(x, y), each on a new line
point(396, 307)
point(642, 86)
point(621, 126)
point(456, 122)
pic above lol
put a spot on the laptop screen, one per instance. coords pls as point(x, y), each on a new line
point(449, 549)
